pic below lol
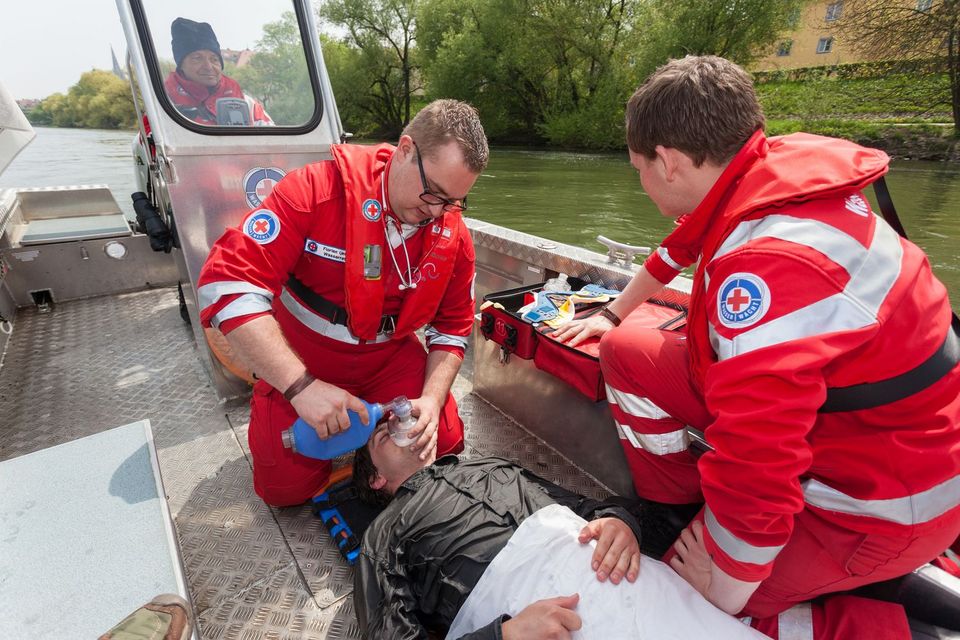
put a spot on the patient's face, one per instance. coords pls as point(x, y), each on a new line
point(394, 463)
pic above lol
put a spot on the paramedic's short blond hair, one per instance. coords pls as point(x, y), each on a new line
point(444, 120)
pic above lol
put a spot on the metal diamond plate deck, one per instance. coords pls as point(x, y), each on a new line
point(254, 572)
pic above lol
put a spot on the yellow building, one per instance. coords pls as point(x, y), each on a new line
point(815, 41)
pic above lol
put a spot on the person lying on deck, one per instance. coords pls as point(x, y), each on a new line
point(521, 545)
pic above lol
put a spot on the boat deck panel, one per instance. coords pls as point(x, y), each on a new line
point(76, 520)
point(254, 572)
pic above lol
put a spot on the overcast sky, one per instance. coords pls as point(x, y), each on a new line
point(45, 45)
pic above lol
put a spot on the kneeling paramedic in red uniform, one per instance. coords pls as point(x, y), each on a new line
point(320, 292)
point(820, 360)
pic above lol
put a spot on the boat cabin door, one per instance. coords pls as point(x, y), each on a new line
point(232, 94)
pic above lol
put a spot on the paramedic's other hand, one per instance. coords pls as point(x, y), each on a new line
point(427, 411)
point(617, 553)
point(324, 407)
point(692, 561)
point(576, 331)
point(550, 619)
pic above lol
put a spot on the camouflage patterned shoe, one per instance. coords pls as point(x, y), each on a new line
point(166, 617)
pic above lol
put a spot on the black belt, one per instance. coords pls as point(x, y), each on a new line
point(874, 394)
point(334, 313)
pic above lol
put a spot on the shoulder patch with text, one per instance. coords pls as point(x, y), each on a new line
point(262, 225)
point(742, 301)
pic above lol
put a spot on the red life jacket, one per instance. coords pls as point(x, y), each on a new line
point(363, 169)
point(198, 103)
point(765, 175)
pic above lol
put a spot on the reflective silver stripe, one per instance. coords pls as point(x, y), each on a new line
point(659, 444)
point(635, 405)
point(208, 294)
point(735, 547)
point(434, 337)
point(626, 433)
point(320, 324)
point(909, 510)
point(872, 274)
point(242, 306)
point(796, 623)
point(665, 256)
point(827, 239)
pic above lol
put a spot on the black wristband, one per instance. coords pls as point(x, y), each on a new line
point(611, 316)
point(298, 385)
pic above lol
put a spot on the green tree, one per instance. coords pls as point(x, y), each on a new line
point(350, 84)
point(884, 29)
point(536, 69)
point(740, 30)
point(277, 75)
point(383, 32)
point(98, 100)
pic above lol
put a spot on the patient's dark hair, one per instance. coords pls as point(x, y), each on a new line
point(364, 472)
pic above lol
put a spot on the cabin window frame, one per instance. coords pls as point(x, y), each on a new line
point(785, 47)
point(156, 81)
point(825, 45)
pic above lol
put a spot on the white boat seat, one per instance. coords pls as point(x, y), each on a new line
point(75, 228)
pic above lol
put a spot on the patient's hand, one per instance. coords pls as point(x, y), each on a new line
point(617, 553)
point(550, 619)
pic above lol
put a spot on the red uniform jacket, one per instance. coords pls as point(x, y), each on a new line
point(801, 288)
point(317, 225)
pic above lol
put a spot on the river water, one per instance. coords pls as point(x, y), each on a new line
point(564, 196)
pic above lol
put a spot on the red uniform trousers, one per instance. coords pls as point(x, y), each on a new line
point(820, 557)
point(373, 372)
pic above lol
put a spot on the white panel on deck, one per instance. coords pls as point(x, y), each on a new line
point(85, 535)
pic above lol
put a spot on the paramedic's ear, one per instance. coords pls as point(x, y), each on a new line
point(378, 483)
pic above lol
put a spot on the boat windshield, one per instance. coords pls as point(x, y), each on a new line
point(232, 63)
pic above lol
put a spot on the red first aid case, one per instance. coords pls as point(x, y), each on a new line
point(577, 366)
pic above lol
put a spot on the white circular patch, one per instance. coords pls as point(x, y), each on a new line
point(743, 300)
point(262, 225)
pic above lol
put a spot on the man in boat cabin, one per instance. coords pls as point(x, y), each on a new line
point(820, 359)
point(321, 289)
point(197, 83)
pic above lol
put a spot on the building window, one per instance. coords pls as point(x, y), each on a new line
point(784, 48)
point(825, 45)
point(834, 9)
point(924, 5)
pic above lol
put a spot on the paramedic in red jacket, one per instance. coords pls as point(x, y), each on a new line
point(198, 81)
point(320, 292)
point(820, 360)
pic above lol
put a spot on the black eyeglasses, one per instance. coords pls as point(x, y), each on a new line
point(429, 197)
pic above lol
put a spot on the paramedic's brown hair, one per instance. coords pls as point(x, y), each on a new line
point(704, 106)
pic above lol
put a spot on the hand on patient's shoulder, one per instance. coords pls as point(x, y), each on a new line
point(550, 619)
point(617, 553)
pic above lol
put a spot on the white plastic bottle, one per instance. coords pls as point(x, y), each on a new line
point(402, 422)
point(557, 284)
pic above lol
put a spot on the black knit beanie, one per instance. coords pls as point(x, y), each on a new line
point(190, 36)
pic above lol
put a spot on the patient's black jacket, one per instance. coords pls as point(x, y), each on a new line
point(423, 555)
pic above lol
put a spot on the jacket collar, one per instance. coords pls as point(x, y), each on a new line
point(438, 469)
